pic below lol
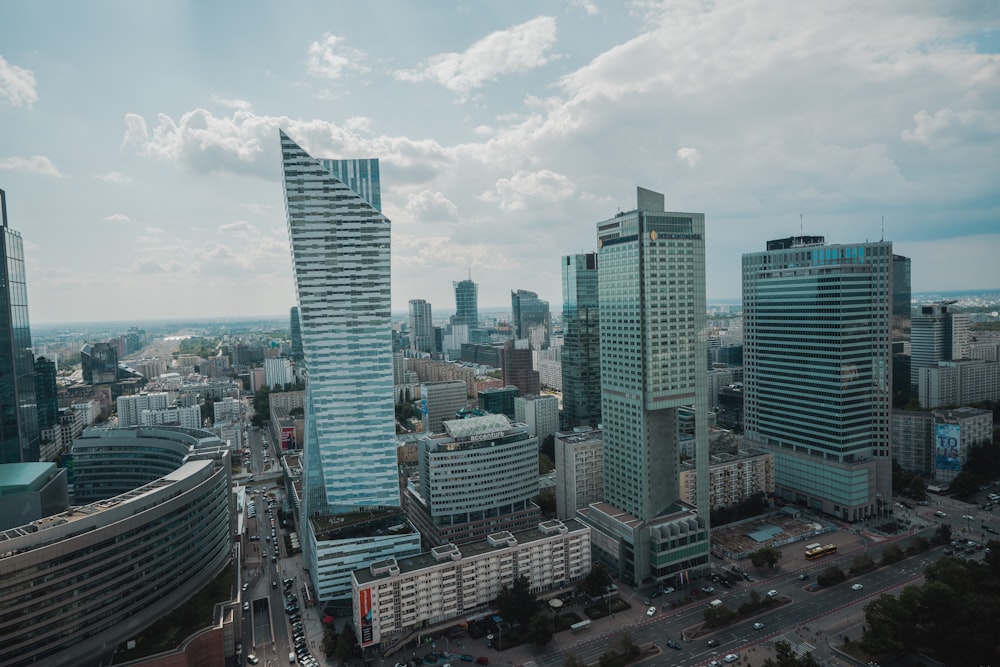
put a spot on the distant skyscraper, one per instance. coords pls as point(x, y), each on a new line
point(581, 353)
point(517, 369)
point(421, 326)
point(99, 363)
point(46, 393)
point(19, 433)
point(651, 285)
point(901, 307)
point(341, 260)
point(817, 371)
point(296, 328)
point(531, 318)
point(467, 307)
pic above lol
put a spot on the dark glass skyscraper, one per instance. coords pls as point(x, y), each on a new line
point(581, 352)
point(531, 318)
point(19, 438)
point(467, 307)
point(296, 329)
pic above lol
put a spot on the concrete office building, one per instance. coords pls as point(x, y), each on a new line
point(81, 581)
point(393, 598)
point(579, 465)
point(20, 438)
point(31, 491)
point(913, 441)
point(227, 408)
point(651, 285)
point(478, 477)
point(938, 333)
point(421, 326)
point(581, 353)
point(817, 371)
point(732, 478)
point(334, 216)
point(953, 383)
point(440, 402)
point(539, 413)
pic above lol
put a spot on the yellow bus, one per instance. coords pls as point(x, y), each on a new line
point(817, 551)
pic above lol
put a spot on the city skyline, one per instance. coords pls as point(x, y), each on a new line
point(149, 132)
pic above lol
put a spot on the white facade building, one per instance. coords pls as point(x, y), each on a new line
point(226, 408)
point(579, 470)
point(188, 417)
point(392, 598)
point(958, 383)
point(539, 413)
point(130, 407)
point(278, 371)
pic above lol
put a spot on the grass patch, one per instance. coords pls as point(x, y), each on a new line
point(169, 631)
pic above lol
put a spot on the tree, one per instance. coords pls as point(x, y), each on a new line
point(718, 615)
point(627, 648)
point(547, 501)
point(886, 618)
point(831, 576)
point(892, 554)
point(208, 410)
point(942, 535)
point(596, 583)
point(516, 602)
point(345, 645)
point(784, 657)
point(862, 563)
point(573, 660)
point(545, 464)
point(765, 557)
point(540, 630)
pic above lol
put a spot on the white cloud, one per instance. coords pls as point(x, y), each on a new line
point(113, 177)
point(427, 206)
point(689, 155)
point(117, 217)
point(36, 164)
point(329, 58)
point(358, 124)
point(149, 265)
point(238, 226)
point(540, 187)
point(518, 49)
point(17, 85)
point(588, 7)
point(259, 209)
point(234, 103)
point(949, 126)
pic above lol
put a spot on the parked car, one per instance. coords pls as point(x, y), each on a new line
point(732, 657)
point(651, 611)
point(772, 593)
point(467, 658)
point(482, 660)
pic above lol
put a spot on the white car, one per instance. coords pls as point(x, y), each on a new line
point(856, 587)
point(772, 593)
point(758, 626)
point(651, 611)
point(732, 657)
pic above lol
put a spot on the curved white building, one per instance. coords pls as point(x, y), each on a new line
point(76, 584)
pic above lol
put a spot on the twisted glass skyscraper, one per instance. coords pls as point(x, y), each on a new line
point(340, 254)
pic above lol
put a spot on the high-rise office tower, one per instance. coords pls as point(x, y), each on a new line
point(295, 326)
point(817, 371)
point(341, 258)
point(901, 302)
point(99, 363)
point(651, 283)
point(19, 434)
point(938, 333)
point(421, 326)
point(532, 321)
point(467, 307)
point(516, 364)
point(581, 354)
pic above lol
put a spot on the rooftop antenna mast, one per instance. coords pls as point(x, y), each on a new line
point(883, 228)
point(800, 224)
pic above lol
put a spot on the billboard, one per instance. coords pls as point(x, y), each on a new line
point(946, 450)
point(288, 437)
point(365, 607)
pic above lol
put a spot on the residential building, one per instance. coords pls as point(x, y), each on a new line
point(817, 371)
point(732, 478)
point(539, 413)
point(579, 465)
point(440, 402)
point(938, 333)
point(651, 286)
point(421, 326)
point(912, 441)
point(334, 218)
point(278, 371)
point(531, 319)
point(130, 408)
point(20, 438)
point(478, 477)
point(581, 354)
point(955, 383)
point(394, 598)
point(936, 444)
point(229, 408)
point(185, 416)
point(498, 400)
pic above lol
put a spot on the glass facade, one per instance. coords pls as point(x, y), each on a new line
point(467, 306)
point(581, 354)
point(817, 371)
point(340, 251)
point(19, 433)
point(421, 326)
point(531, 318)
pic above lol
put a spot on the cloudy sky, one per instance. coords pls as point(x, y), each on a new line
point(139, 141)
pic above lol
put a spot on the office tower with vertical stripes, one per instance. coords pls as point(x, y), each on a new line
point(421, 326)
point(340, 243)
point(817, 371)
point(651, 286)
